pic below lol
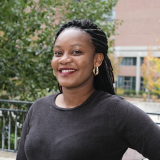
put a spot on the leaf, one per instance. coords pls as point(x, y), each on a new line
point(27, 31)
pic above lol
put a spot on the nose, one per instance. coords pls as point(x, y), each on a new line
point(65, 59)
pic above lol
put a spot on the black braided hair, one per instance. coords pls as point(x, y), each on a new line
point(105, 79)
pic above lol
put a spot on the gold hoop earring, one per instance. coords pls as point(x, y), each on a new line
point(53, 73)
point(96, 71)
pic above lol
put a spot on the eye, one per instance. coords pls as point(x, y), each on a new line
point(57, 53)
point(77, 52)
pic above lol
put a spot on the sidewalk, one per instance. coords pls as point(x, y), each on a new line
point(7, 156)
point(133, 155)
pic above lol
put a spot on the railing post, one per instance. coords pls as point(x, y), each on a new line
point(29, 105)
point(6, 132)
point(3, 130)
point(15, 140)
point(9, 131)
point(22, 119)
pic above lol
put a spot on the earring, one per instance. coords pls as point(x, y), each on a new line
point(53, 73)
point(96, 71)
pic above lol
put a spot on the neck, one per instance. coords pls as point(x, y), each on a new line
point(75, 96)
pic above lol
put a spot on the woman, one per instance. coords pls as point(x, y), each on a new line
point(86, 120)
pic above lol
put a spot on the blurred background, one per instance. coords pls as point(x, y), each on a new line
point(27, 30)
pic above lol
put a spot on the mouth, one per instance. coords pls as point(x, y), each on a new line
point(67, 71)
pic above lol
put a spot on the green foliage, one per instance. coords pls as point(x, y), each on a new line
point(155, 94)
point(129, 92)
point(151, 93)
point(27, 30)
point(120, 91)
point(141, 92)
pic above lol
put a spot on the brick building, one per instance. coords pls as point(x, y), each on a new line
point(139, 30)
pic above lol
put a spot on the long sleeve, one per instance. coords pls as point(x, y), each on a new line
point(21, 152)
point(136, 130)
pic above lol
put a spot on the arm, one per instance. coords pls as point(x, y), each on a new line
point(136, 130)
point(21, 152)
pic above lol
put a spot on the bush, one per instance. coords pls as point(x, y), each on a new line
point(130, 92)
point(120, 91)
point(133, 92)
point(141, 92)
point(150, 92)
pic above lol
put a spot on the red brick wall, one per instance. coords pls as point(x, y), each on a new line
point(130, 71)
point(141, 24)
point(127, 71)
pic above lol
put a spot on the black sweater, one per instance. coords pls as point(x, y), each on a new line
point(102, 128)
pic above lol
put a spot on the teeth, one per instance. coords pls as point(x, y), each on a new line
point(71, 70)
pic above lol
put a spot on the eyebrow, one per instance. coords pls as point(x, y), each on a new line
point(77, 45)
point(56, 46)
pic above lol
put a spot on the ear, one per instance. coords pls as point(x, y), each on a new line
point(98, 59)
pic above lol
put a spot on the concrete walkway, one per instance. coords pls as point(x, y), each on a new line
point(7, 156)
point(133, 155)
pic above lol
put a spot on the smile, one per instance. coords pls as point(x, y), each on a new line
point(67, 71)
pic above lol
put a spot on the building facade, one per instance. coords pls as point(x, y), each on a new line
point(140, 29)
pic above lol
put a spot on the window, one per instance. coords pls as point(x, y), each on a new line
point(127, 83)
point(142, 60)
point(129, 61)
point(134, 61)
point(142, 87)
point(113, 14)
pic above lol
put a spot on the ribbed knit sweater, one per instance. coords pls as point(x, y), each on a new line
point(102, 128)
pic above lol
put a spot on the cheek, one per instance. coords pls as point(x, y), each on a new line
point(86, 64)
point(54, 63)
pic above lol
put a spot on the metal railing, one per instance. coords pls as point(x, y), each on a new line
point(16, 102)
point(155, 114)
point(12, 122)
point(12, 116)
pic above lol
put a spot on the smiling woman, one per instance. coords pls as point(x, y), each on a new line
point(86, 120)
point(74, 59)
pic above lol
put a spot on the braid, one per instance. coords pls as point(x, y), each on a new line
point(105, 79)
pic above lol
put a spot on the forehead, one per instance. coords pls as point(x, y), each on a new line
point(73, 35)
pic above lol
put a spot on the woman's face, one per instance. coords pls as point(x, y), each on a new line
point(73, 59)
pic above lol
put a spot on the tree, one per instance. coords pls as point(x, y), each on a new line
point(150, 68)
point(154, 84)
point(27, 29)
point(115, 61)
point(146, 69)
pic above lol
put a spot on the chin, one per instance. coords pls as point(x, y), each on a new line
point(69, 85)
point(66, 85)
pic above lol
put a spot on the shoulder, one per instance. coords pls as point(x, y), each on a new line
point(39, 106)
point(127, 114)
point(104, 96)
point(43, 102)
point(119, 105)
